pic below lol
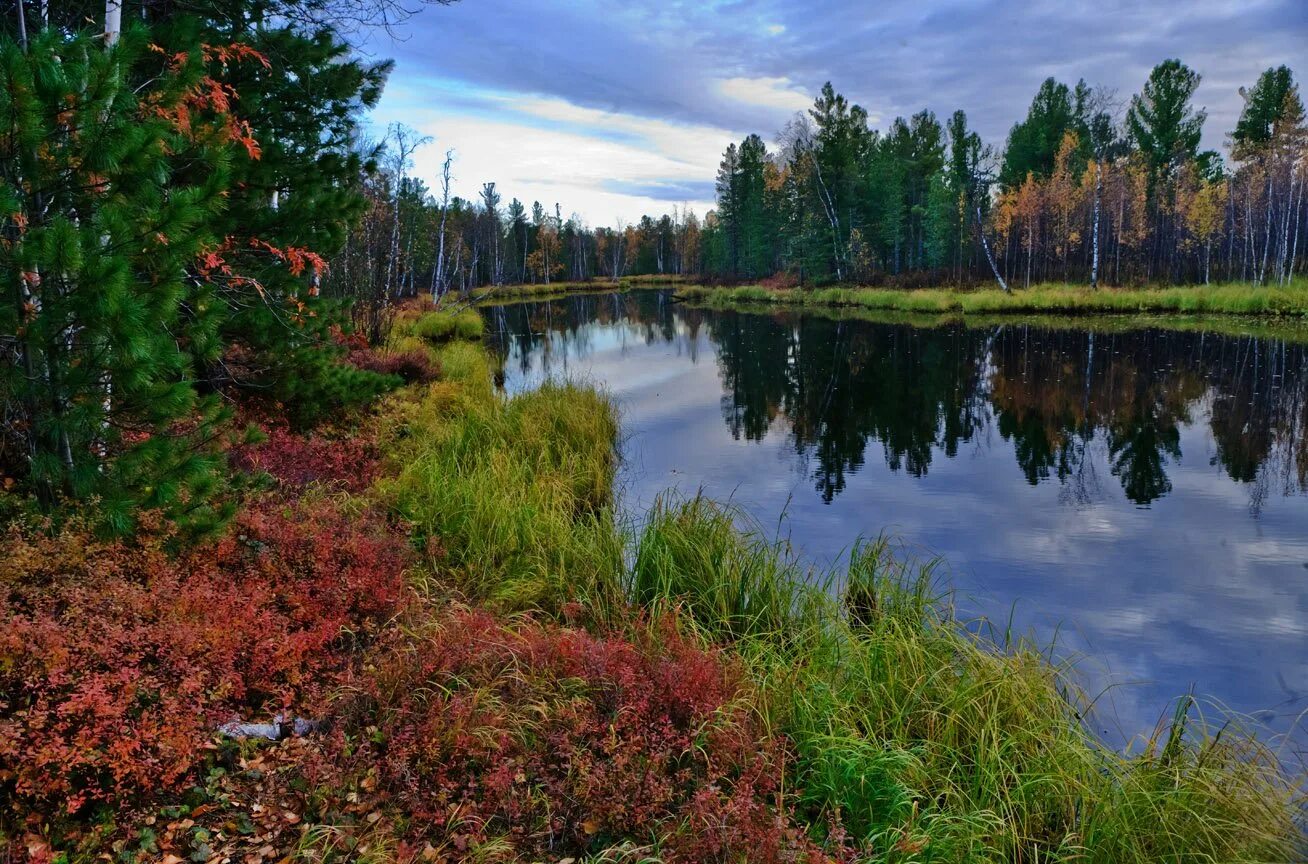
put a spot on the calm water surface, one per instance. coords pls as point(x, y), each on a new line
point(1140, 495)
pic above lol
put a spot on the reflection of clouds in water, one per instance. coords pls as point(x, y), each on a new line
point(1191, 589)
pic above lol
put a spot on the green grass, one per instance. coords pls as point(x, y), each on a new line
point(924, 737)
point(438, 325)
point(1228, 299)
point(929, 742)
point(517, 491)
point(535, 289)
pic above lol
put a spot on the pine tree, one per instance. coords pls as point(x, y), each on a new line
point(110, 193)
point(1162, 123)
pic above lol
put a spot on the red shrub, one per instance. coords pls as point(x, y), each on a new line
point(116, 662)
point(563, 743)
point(295, 460)
point(415, 366)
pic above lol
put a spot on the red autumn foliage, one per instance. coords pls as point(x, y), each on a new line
point(415, 367)
point(562, 743)
point(117, 660)
point(294, 459)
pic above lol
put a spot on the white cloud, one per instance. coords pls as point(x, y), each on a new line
point(548, 149)
point(775, 29)
point(779, 93)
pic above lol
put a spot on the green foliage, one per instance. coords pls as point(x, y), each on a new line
point(1161, 121)
point(1033, 143)
point(100, 229)
point(1272, 98)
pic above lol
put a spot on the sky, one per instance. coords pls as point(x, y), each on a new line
point(616, 109)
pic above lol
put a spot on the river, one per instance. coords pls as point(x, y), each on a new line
point(1137, 498)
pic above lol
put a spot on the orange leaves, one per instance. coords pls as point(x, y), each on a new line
point(297, 258)
point(235, 51)
point(245, 137)
point(205, 110)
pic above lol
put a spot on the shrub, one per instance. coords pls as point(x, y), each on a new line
point(547, 741)
point(413, 366)
point(296, 460)
point(117, 661)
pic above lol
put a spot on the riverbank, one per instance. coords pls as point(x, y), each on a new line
point(1286, 328)
point(522, 677)
point(534, 290)
point(1232, 299)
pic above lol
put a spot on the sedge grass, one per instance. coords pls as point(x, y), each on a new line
point(440, 325)
point(923, 736)
point(926, 741)
point(518, 490)
point(1222, 299)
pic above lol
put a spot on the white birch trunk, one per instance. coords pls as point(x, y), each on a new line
point(113, 21)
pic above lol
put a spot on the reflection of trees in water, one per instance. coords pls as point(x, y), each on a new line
point(1064, 398)
point(545, 334)
point(841, 384)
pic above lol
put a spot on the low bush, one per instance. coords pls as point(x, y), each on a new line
point(117, 661)
point(413, 366)
point(524, 742)
point(343, 460)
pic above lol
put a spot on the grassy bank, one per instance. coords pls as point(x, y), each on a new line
point(1231, 299)
point(509, 293)
point(1286, 328)
point(507, 672)
point(910, 739)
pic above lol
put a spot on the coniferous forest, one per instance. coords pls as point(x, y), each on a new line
point(1090, 187)
point(288, 573)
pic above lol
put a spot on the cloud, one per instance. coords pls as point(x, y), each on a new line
point(779, 93)
point(603, 165)
point(664, 190)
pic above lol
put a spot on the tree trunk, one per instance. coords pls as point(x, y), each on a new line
point(113, 21)
point(1094, 230)
point(986, 246)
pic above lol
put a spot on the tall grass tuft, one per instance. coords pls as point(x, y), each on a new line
point(517, 491)
point(928, 742)
point(438, 325)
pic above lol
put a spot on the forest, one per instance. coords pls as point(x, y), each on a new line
point(1088, 188)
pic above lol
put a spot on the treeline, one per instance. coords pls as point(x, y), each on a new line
point(170, 191)
point(1079, 193)
point(416, 239)
point(1087, 189)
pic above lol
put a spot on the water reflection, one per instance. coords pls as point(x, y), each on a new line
point(1054, 394)
point(1143, 490)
